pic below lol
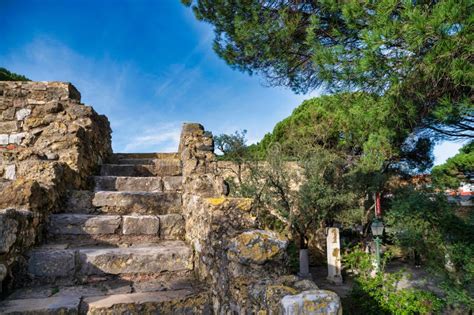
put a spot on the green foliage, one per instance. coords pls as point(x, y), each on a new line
point(233, 146)
point(417, 54)
point(300, 196)
point(6, 75)
point(456, 169)
point(326, 191)
point(293, 256)
point(378, 294)
point(359, 126)
point(426, 222)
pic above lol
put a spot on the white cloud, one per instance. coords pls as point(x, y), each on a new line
point(165, 137)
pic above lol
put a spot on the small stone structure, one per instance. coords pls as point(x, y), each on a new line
point(85, 231)
point(334, 256)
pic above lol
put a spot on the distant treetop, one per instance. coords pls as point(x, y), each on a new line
point(6, 75)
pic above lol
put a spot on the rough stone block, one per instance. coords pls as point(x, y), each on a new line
point(83, 224)
point(51, 263)
point(257, 247)
point(140, 225)
point(167, 302)
point(10, 172)
point(3, 139)
point(79, 201)
point(167, 167)
point(172, 183)
point(168, 256)
point(56, 305)
point(129, 170)
point(312, 302)
point(8, 231)
point(22, 113)
point(137, 202)
point(3, 272)
point(8, 126)
point(172, 226)
point(8, 114)
point(118, 183)
point(16, 138)
point(140, 161)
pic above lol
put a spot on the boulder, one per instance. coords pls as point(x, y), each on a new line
point(257, 247)
point(313, 302)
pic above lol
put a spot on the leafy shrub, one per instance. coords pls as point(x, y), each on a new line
point(378, 294)
point(425, 222)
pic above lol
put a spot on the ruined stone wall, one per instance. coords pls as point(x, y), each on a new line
point(231, 171)
point(49, 142)
point(245, 268)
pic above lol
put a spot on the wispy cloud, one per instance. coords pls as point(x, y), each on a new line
point(165, 137)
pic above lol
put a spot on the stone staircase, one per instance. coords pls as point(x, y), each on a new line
point(118, 249)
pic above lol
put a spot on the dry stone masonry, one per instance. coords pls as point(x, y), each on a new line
point(85, 231)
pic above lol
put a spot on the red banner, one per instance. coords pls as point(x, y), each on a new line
point(378, 205)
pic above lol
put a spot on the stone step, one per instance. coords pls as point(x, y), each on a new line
point(126, 202)
point(43, 306)
point(147, 184)
point(148, 161)
point(52, 264)
point(183, 301)
point(190, 298)
point(161, 167)
point(118, 156)
point(85, 229)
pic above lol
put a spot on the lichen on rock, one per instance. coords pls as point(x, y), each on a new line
point(313, 302)
point(257, 247)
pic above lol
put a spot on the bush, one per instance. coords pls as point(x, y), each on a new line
point(426, 223)
point(378, 294)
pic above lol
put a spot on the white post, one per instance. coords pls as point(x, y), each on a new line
point(334, 256)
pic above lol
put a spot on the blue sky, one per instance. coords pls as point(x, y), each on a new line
point(147, 65)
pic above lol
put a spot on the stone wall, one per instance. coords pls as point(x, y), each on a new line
point(49, 142)
point(245, 268)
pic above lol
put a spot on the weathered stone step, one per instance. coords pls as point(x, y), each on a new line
point(67, 300)
point(148, 161)
point(117, 156)
point(183, 301)
point(147, 184)
point(161, 167)
point(50, 264)
point(114, 229)
point(44, 306)
point(126, 202)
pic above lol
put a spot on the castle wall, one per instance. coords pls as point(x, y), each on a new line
point(49, 142)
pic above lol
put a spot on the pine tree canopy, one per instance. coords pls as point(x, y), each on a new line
point(417, 54)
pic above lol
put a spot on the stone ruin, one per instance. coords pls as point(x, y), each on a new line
point(87, 231)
